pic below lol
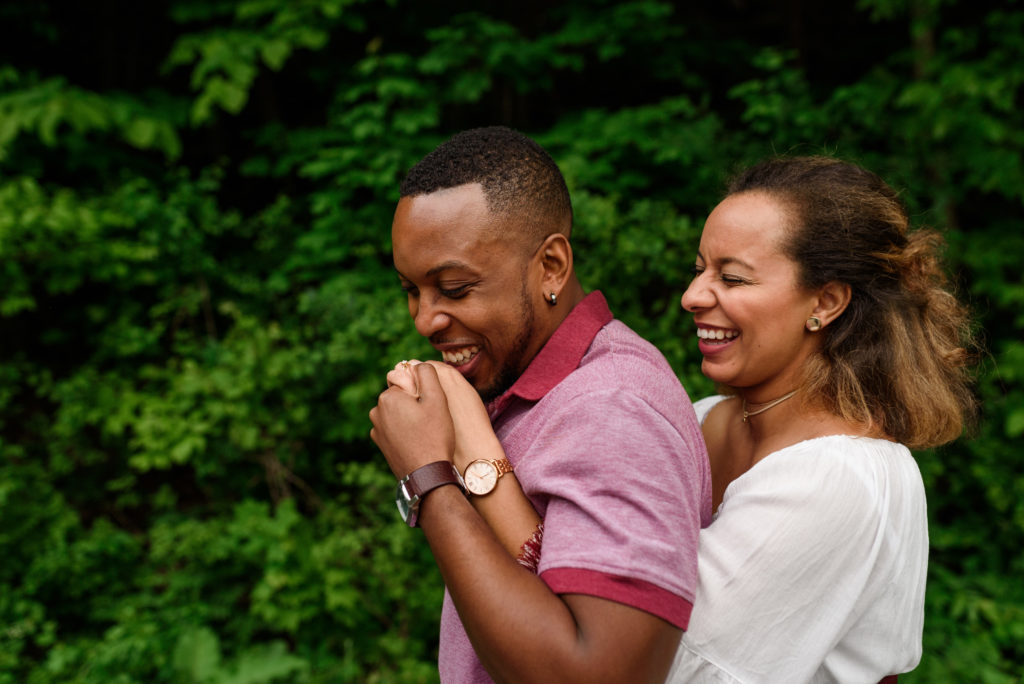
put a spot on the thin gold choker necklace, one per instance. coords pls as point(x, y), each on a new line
point(761, 408)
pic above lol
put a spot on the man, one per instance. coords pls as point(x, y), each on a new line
point(594, 423)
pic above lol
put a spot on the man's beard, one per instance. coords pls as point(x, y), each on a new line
point(514, 364)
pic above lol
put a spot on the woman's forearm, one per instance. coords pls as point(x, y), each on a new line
point(506, 508)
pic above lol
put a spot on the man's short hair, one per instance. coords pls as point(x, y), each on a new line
point(520, 180)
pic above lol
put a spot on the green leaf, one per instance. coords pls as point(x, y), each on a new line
point(197, 655)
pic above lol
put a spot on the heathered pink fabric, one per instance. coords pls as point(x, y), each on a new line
point(605, 443)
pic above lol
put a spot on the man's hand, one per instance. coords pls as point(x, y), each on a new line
point(410, 430)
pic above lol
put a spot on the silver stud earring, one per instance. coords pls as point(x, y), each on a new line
point(814, 324)
point(552, 299)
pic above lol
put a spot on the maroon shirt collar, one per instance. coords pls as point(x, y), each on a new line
point(561, 354)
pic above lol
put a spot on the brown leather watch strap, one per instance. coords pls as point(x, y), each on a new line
point(432, 476)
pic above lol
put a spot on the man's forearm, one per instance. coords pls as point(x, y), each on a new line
point(520, 629)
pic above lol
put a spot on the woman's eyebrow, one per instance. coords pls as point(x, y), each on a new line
point(725, 261)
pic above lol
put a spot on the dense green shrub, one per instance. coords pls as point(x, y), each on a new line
point(197, 305)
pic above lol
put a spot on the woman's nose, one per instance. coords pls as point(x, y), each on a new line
point(697, 296)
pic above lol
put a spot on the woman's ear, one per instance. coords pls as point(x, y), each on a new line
point(833, 298)
point(555, 255)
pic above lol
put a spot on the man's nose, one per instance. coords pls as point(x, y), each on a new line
point(430, 319)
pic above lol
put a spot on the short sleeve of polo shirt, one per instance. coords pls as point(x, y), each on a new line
point(624, 504)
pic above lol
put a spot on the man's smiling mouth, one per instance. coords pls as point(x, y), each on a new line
point(458, 357)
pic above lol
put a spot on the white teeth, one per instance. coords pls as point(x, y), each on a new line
point(717, 334)
point(459, 356)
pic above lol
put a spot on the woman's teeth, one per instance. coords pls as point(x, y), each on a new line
point(457, 357)
point(717, 334)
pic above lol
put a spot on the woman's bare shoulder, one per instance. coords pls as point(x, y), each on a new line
point(719, 417)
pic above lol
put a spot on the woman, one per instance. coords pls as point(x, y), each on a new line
point(836, 345)
point(831, 327)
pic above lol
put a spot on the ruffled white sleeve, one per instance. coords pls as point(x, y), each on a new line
point(813, 570)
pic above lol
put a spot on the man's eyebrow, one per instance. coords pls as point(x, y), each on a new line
point(440, 268)
point(448, 265)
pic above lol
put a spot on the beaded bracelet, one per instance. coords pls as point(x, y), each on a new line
point(529, 554)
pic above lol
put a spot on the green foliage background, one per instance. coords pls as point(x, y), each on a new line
point(197, 306)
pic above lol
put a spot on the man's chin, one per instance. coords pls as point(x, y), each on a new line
point(496, 387)
point(489, 393)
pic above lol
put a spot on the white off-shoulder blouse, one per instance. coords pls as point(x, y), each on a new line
point(813, 569)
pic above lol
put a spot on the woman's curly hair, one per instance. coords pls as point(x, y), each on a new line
point(898, 356)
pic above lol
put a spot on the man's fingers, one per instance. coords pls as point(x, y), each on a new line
point(427, 380)
point(373, 428)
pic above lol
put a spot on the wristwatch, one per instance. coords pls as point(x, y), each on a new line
point(481, 476)
point(414, 486)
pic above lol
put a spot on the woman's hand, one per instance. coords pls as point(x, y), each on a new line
point(474, 436)
point(403, 377)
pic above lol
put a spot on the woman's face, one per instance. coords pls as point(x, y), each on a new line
point(749, 310)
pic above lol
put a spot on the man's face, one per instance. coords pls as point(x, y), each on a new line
point(468, 288)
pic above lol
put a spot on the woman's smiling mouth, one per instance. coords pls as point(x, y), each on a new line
point(716, 335)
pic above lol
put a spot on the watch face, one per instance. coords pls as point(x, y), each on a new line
point(480, 477)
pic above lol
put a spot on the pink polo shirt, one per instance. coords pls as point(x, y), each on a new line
point(606, 444)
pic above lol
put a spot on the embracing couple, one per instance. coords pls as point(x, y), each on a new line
point(593, 525)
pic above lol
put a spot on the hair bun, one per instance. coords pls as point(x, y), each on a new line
point(919, 264)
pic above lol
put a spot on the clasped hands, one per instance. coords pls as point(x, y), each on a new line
point(428, 413)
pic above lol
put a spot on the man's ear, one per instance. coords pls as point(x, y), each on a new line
point(832, 300)
point(555, 260)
